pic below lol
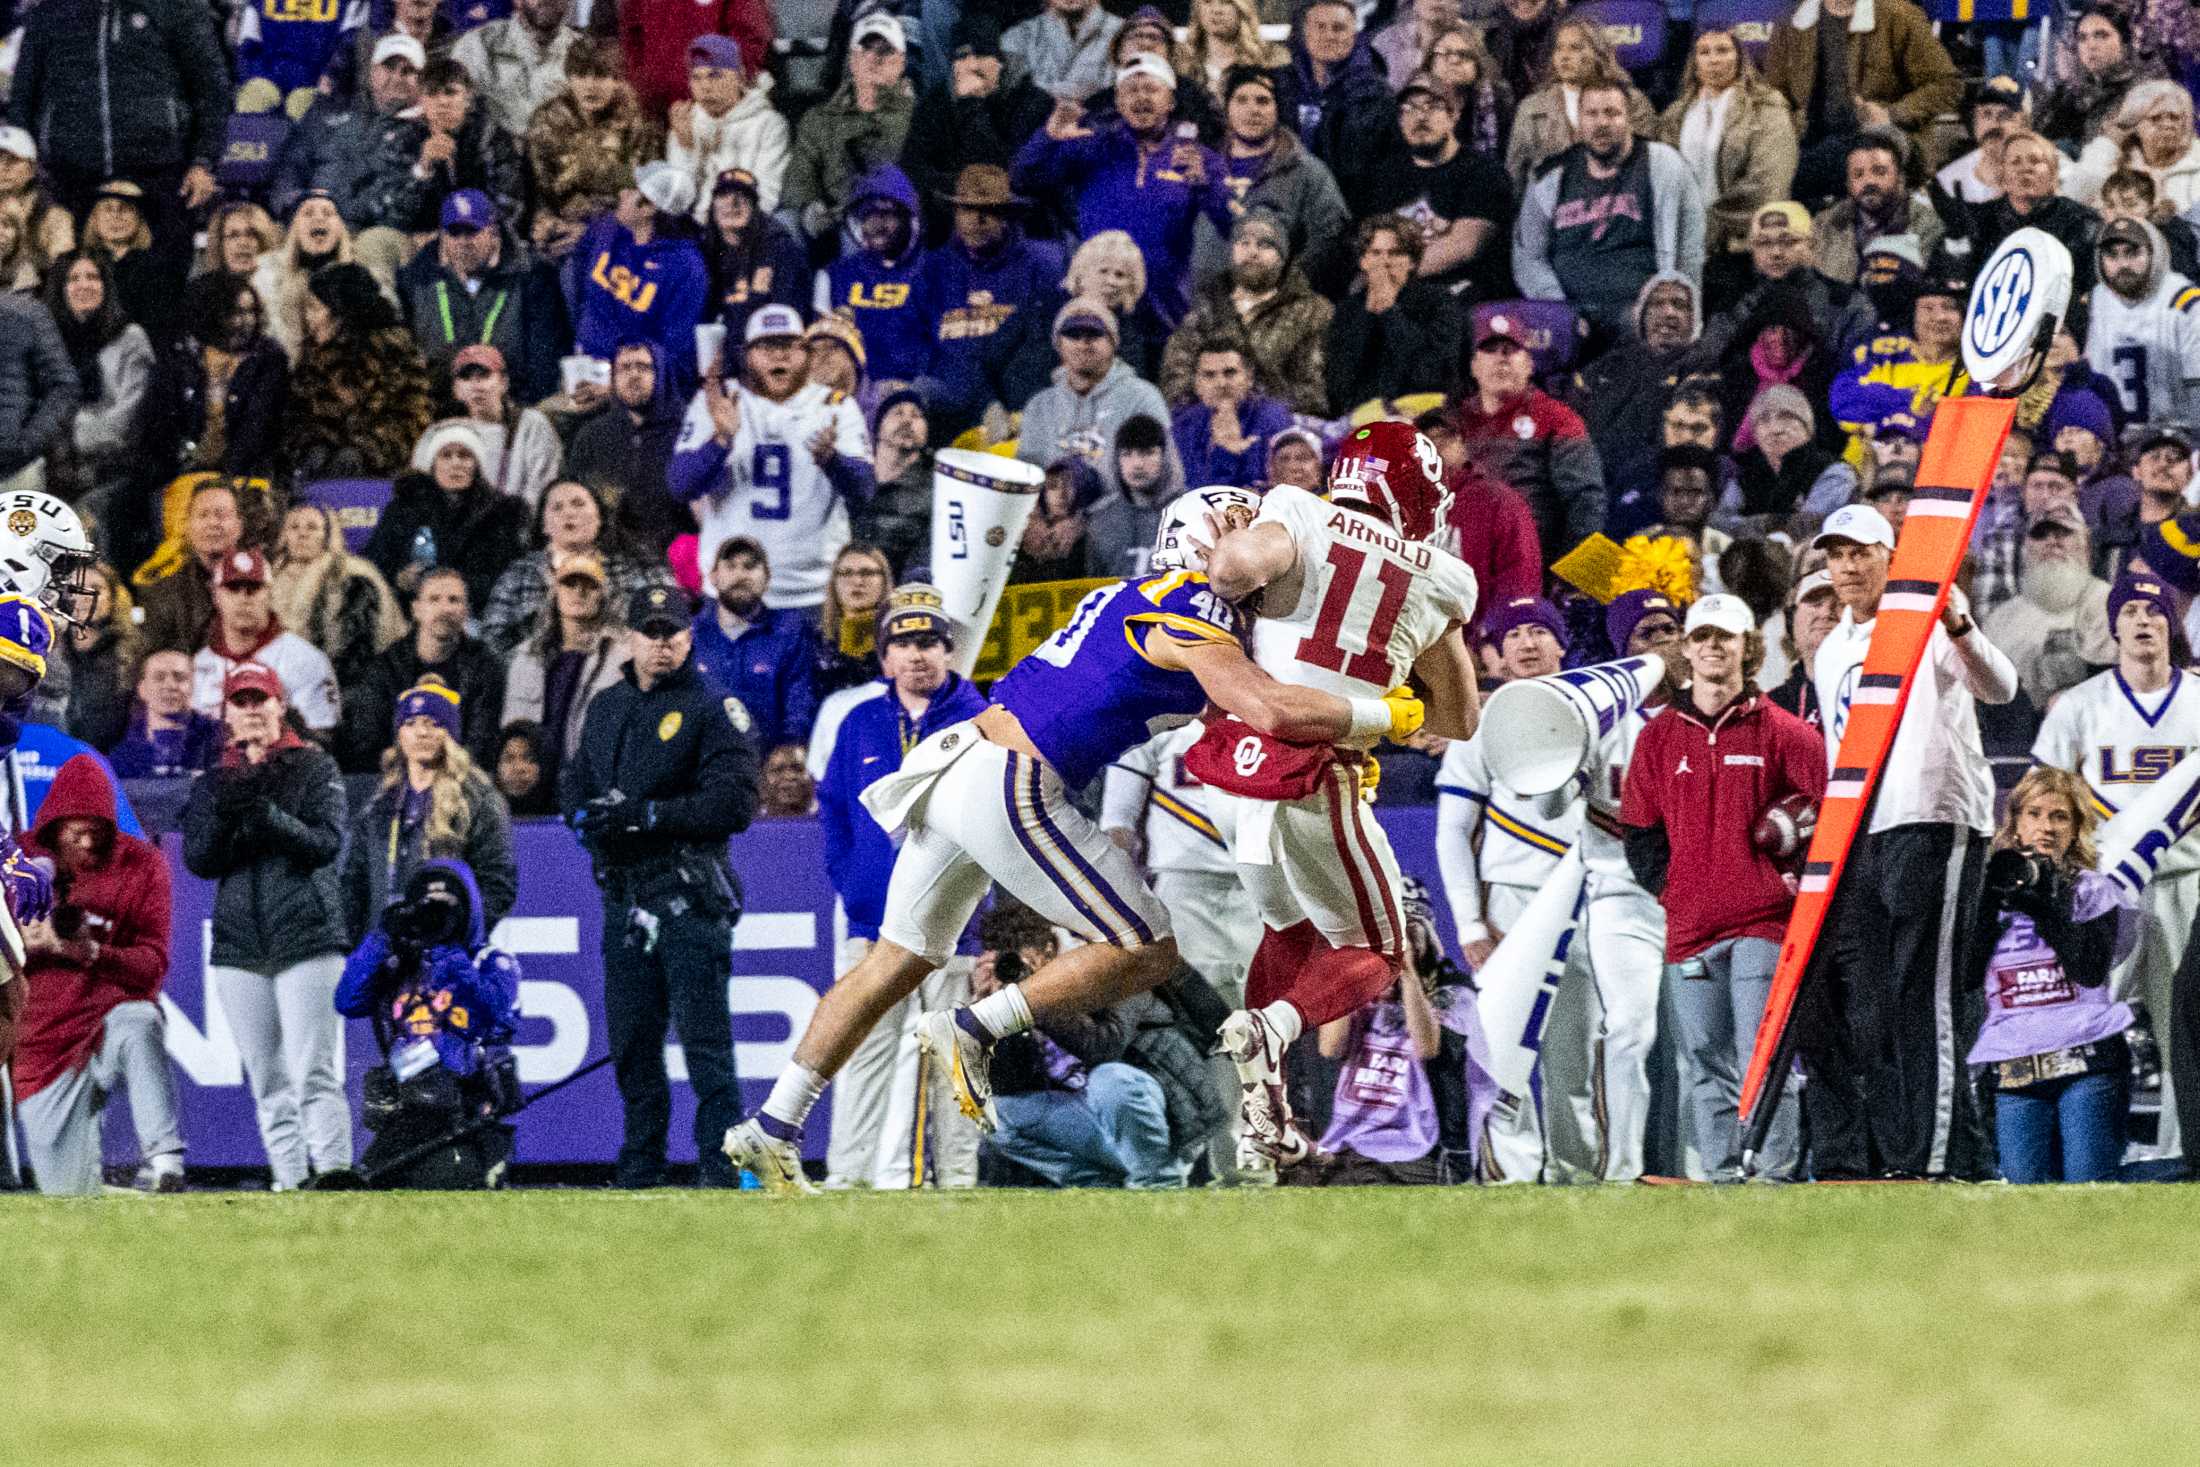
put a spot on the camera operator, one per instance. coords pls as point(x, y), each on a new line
point(443, 1002)
point(664, 774)
point(92, 1023)
point(2053, 1044)
point(267, 823)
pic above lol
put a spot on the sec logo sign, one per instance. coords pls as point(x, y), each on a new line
point(1998, 304)
point(2025, 284)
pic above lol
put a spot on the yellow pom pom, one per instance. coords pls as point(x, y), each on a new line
point(1662, 564)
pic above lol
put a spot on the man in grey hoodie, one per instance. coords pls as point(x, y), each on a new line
point(1093, 394)
point(1606, 215)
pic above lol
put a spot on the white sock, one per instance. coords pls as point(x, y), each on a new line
point(1284, 1021)
point(793, 1094)
point(1004, 1013)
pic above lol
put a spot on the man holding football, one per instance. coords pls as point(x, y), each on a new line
point(1718, 802)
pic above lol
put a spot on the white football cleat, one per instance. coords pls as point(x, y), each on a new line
point(1269, 1129)
point(776, 1163)
point(965, 1060)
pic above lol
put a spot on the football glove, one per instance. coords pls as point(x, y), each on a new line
point(1406, 713)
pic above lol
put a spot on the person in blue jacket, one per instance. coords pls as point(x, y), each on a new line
point(444, 1004)
point(761, 656)
point(637, 274)
point(1141, 174)
point(877, 285)
point(291, 45)
point(862, 736)
point(991, 291)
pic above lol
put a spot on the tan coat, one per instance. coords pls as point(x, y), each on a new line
point(1894, 60)
point(1756, 162)
point(1541, 131)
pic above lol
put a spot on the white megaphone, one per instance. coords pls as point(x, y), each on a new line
point(2136, 838)
point(1537, 733)
point(1516, 986)
point(980, 505)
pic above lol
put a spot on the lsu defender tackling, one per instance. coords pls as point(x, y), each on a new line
point(1352, 596)
point(986, 801)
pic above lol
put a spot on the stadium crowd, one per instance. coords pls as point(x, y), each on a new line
point(591, 307)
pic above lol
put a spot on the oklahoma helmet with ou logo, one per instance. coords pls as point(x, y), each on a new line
point(1393, 467)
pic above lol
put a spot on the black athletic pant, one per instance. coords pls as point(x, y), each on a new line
point(681, 981)
point(1886, 1019)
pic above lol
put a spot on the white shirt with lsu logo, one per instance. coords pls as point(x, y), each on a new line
point(1361, 605)
point(2119, 741)
point(772, 488)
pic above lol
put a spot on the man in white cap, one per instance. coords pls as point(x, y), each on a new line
point(2120, 731)
point(1704, 771)
point(775, 458)
point(858, 128)
point(1878, 1022)
point(1142, 173)
point(337, 144)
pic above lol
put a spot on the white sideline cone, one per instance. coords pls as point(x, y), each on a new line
point(1538, 733)
point(980, 505)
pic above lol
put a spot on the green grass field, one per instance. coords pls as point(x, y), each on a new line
point(1793, 1325)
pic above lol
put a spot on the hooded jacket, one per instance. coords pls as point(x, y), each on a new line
point(462, 998)
point(626, 454)
point(270, 834)
point(1621, 395)
point(619, 290)
point(1063, 422)
point(2149, 345)
point(993, 313)
point(386, 848)
point(62, 1023)
point(883, 294)
point(752, 135)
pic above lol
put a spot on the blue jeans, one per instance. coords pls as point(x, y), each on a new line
point(2081, 1118)
point(1113, 1133)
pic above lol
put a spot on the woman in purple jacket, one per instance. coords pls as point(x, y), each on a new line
point(2052, 1046)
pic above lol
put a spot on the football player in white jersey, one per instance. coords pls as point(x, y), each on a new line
point(1596, 1047)
point(2120, 731)
point(1352, 599)
point(1522, 839)
point(775, 458)
point(2145, 325)
point(1176, 828)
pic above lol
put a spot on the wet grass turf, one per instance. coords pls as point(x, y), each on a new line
point(1851, 1325)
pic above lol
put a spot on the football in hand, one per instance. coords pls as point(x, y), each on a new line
point(1783, 832)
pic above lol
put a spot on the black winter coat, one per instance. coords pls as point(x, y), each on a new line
point(477, 533)
point(1412, 347)
point(270, 834)
point(39, 393)
point(948, 133)
point(474, 672)
point(371, 883)
point(175, 411)
point(486, 159)
point(116, 87)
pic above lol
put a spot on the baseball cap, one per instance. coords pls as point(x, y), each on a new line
point(401, 48)
point(736, 181)
point(747, 545)
point(2173, 435)
point(1145, 63)
point(772, 321)
point(879, 26)
point(1999, 91)
point(1859, 524)
point(721, 52)
point(655, 607)
point(1783, 214)
point(1498, 327)
point(1721, 613)
point(469, 208)
point(916, 609)
point(480, 354)
point(2124, 231)
point(252, 677)
point(585, 564)
point(17, 142)
point(2130, 588)
point(246, 567)
point(1087, 313)
point(1810, 586)
point(1425, 84)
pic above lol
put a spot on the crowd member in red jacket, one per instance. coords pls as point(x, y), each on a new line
point(1491, 528)
point(1704, 771)
point(93, 1021)
point(655, 35)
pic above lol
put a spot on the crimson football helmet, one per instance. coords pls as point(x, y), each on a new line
point(1392, 467)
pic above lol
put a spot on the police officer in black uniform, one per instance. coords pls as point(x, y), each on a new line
point(665, 772)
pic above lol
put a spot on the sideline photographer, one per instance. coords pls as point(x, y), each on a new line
point(443, 1003)
point(665, 773)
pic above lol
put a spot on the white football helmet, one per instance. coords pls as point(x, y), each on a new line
point(45, 554)
point(1183, 541)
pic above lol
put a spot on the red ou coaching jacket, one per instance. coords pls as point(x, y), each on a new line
point(1705, 779)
